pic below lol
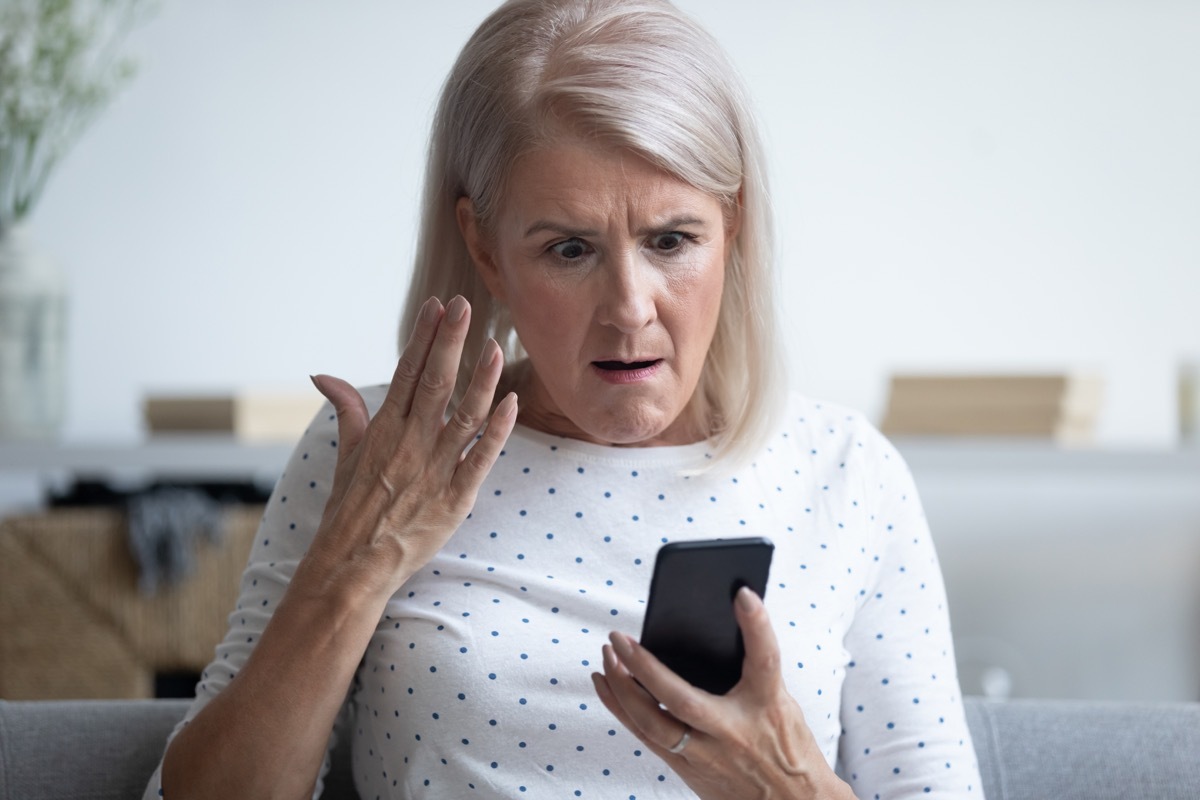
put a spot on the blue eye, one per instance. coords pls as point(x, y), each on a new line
point(570, 250)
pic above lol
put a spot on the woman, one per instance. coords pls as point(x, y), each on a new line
point(443, 567)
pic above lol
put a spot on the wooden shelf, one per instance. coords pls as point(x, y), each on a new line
point(926, 455)
point(198, 457)
point(217, 457)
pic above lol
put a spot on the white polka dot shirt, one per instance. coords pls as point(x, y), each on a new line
point(476, 681)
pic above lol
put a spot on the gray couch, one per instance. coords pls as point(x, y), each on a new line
point(97, 750)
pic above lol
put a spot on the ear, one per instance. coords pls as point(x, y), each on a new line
point(479, 247)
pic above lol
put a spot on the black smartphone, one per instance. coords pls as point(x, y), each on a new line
point(689, 623)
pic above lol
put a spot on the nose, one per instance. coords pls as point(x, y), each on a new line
point(628, 293)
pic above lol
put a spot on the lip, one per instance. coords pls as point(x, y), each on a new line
point(627, 376)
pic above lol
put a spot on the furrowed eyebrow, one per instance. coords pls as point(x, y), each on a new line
point(671, 224)
point(547, 226)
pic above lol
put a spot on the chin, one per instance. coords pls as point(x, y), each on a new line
point(629, 426)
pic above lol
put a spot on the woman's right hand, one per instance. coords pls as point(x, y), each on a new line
point(402, 484)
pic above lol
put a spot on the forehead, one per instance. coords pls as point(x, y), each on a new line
point(582, 181)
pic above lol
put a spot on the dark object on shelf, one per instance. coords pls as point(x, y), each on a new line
point(165, 525)
point(92, 492)
point(166, 521)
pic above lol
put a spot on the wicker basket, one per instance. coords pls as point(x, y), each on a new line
point(73, 624)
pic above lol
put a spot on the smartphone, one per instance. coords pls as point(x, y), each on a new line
point(689, 624)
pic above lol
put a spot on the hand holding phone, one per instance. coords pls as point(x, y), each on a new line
point(689, 624)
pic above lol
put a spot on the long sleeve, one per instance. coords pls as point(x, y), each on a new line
point(904, 728)
point(289, 523)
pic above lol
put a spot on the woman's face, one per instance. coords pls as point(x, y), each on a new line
point(612, 271)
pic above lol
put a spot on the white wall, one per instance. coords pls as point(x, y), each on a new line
point(959, 185)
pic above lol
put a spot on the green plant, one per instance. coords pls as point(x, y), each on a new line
point(59, 68)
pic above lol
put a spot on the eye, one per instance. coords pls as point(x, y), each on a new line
point(666, 242)
point(570, 250)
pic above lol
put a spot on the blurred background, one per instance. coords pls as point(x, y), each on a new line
point(959, 187)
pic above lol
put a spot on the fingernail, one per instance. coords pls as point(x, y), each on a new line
point(507, 406)
point(746, 598)
point(457, 309)
point(621, 644)
point(609, 657)
point(431, 309)
point(317, 383)
point(491, 351)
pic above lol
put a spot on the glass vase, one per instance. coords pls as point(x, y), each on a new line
point(32, 339)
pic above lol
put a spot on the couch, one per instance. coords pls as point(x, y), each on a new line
point(1028, 749)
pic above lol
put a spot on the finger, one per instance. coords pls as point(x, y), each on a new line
point(694, 707)
point(609, 699)
point(615, 684)
point(477, 463)
point(658, 728)
point(412, 361)
point(760, 668)
point(605, 693)
point(472, 412)
point(436, 383)
point(352, 416)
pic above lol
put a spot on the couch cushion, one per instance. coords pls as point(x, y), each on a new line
point(1066, 750)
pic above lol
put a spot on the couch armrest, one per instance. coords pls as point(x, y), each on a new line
point(102, 749)
point(1076, 750)
point(82, 748)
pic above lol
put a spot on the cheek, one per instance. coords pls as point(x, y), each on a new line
point(715, 286)
point(697, 300)
point(546, 315)
point(713, 290)
point(704, 314)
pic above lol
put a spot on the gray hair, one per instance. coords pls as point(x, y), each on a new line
point(633, 74)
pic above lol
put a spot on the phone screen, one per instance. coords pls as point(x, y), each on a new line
point(689, 623)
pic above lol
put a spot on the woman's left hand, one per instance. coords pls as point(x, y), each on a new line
point(750, 743)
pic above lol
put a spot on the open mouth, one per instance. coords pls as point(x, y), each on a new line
point(618, 366)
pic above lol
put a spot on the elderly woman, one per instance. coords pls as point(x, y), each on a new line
point(439, 566)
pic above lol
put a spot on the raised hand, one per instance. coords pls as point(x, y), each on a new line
point(750, 743)
point(405, 479)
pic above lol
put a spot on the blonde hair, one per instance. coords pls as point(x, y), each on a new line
point(634, 74)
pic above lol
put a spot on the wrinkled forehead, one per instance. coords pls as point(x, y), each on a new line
point(597, 187)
